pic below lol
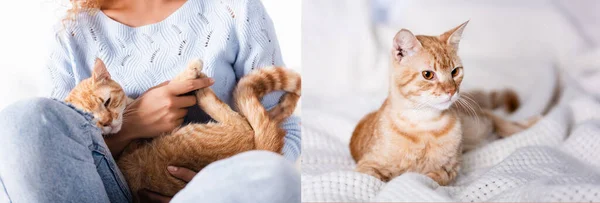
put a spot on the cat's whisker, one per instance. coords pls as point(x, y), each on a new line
point(419, 105)
point(471, 112)
point(479, 120)
point(473, 101)
point(465, 108)
point(460, 104)
point(423, 104)
point(130, 111)
point(470, 102)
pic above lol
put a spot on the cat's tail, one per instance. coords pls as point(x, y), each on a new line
point(253, 86)
point(505, 98)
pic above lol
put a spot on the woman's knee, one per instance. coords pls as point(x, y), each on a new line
point(29, 109)
point(37, 115)
point(263, 161)
point(254, 176)
point(272, 175)
point(264, 167)
point(274, 164)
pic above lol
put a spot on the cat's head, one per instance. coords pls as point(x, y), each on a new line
point(102, 97)
point(426, 70)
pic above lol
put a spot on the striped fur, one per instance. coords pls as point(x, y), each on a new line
point(194, 146)
point(256, 85)
point(419, 128)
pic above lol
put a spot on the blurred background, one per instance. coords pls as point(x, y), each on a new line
point(346, 43)
point(27, 32)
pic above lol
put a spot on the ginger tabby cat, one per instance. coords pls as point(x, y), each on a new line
point(102, 97)
point(419, 128)
point(144, 163)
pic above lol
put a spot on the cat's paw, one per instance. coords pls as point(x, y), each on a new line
point(196, 66)
point(440, 177)
point(444, 176)
point(381, 174)
point(193, 71)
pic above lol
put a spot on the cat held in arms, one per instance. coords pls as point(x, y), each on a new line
point(423, 126)
point(144, 163)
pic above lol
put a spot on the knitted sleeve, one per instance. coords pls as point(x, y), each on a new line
point(258, 47)
point(60, 69)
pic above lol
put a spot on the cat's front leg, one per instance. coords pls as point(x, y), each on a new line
point(446, 173)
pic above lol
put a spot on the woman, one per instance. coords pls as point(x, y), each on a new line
point(51, 153)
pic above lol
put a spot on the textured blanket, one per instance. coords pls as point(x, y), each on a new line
point(558, 159)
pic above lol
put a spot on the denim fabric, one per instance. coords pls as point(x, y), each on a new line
point(52, 152)
point(254, 176)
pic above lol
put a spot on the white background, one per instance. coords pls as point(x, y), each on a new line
point(26, 30)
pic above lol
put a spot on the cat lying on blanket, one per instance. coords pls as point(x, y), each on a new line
point(193, 146)
point(423, 125)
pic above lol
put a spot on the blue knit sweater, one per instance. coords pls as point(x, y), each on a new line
point(232, 37)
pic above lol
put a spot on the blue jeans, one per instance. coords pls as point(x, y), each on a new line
point(52, 152)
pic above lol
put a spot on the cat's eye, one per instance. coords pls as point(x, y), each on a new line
point(107, 102)
point(456, 71)
point(427, 74)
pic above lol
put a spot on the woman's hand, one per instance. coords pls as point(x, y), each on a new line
point(178, 172)
point(159, 110)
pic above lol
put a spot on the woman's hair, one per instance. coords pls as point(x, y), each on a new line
point(78, 6)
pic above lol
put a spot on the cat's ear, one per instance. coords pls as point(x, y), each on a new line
point(452, 37)
point(100, 73)
point(405, 44)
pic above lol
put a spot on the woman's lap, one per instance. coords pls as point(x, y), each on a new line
point(53, 153)
point(50, 152)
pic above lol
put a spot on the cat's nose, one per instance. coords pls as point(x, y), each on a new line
point(106, 123)
point(451, 91)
